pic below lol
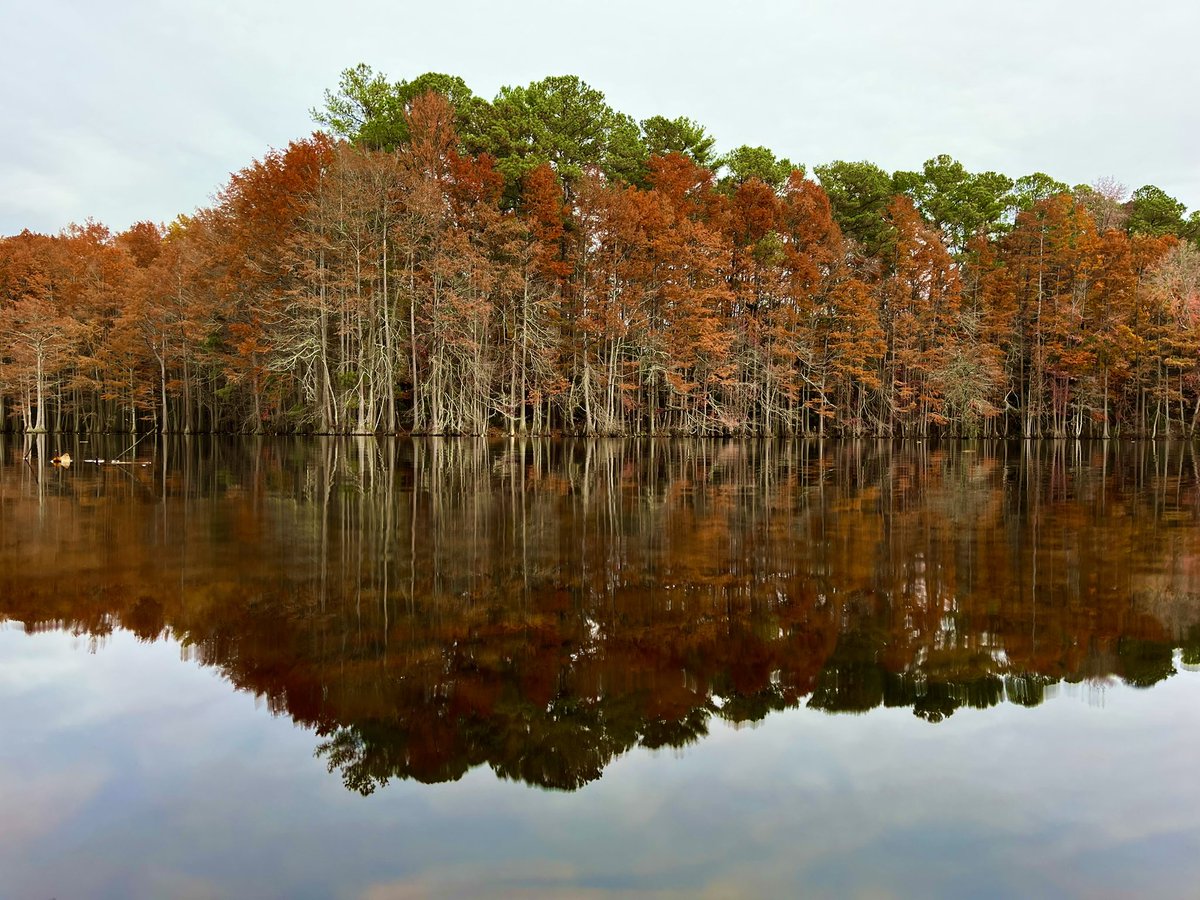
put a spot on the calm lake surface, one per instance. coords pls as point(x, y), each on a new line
point(392, 668)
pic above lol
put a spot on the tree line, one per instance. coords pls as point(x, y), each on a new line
point(436, 263)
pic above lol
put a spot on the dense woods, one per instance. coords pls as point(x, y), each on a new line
point(436, 263)
point(541, 606)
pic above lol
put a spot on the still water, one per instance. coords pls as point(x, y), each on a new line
point(386, 669)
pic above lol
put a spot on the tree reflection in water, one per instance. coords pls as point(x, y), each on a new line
point(541, 606)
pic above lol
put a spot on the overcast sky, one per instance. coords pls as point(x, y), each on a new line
point(136, 109)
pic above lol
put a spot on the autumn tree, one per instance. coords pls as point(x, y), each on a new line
point(39, 332)
point(685, 365)
point(921, 299)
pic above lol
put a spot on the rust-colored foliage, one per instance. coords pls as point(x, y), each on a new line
point(436, 289)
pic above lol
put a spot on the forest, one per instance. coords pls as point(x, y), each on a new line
point(431, 262)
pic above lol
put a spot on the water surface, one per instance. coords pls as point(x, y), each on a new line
point(370, 668)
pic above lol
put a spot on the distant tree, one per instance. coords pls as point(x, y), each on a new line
point(365, 108)
point(1191, 230)
point(745, 162)
point(679, 135)
point(565, 123)
point(370, 111)
point(959, 203)
point(859, 193)
point(1105, 201)
point(1176, 278)
point(921, 302)
point(38, 335)
point(143, 242)
point(1154, 212)
point(1029, 189)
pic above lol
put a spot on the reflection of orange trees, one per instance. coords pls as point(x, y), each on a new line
point(541, 607)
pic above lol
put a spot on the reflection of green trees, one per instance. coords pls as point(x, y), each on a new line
point(542, 607)
point(1027, 689)
point(935, 701)
point(852, 679)
point(1143, 663)
point(563, 746)
point(1190, 646)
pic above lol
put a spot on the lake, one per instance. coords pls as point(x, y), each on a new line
point(390, 668)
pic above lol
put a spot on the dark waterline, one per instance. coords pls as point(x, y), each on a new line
point(603, 619)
